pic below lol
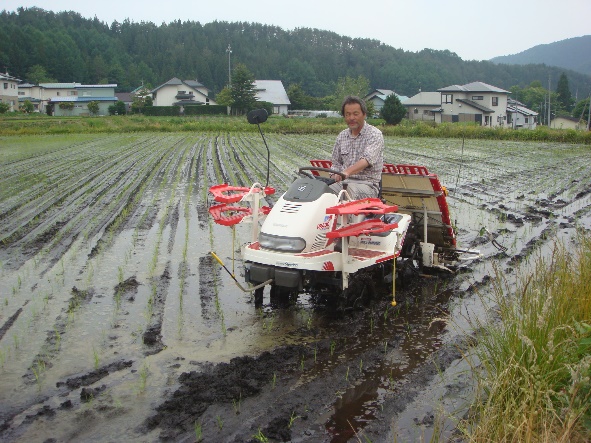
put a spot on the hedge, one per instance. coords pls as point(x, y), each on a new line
point(162, 111)
point(205, 110)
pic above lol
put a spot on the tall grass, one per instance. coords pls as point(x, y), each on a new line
point(535, 363)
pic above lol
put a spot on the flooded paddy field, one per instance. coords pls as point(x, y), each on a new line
point(117, 325)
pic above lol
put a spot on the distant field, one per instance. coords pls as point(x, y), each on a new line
point(20, 124)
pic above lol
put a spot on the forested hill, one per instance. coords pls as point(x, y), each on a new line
point(73, 48)
point(572, 53)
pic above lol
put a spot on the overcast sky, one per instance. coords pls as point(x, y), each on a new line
point(475, 30)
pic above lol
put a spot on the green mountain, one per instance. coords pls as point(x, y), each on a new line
point(572, 54)
point(71, 48)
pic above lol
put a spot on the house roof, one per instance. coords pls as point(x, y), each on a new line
point(473, 87)
point(271, 91)
point(124, 96)
point(187, 103)
point(424, 99)
point(31, 99)
point(195, 84)
point(383, 94)
point(475, 105)
point(111, 85)
point(75, 86)
point(59, 85)
point(82, 99)
point(175, 81)
point(521, 110)
point(9, 77)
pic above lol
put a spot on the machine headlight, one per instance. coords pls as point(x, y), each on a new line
point(281, 243)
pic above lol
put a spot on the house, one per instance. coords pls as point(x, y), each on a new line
point(9, 91)
point(474, 102)
point(125, 97)
point(176, 92)
point(569, 123)
point(272, 91)
point(424, 106)
point(71, 99)
point(379, 96)
point(33, 93)
point(520, 117)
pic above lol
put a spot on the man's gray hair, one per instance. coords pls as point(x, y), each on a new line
point(352, 99)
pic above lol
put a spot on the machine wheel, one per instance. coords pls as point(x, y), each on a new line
point(283, 297)
point(258, 296)
point(360, 291)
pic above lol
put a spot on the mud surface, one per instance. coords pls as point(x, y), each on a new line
point(116, 324)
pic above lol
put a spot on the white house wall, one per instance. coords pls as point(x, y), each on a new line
point(456, 108)
point(166, 95)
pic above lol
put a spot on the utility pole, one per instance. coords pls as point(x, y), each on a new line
point(229, 51)
point(549, 94)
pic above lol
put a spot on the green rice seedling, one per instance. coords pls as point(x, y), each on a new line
point(58, 338)
point(144, 372)
point(219, 421)
point(236, 404)
point(259, 436)
point(198, 431)
point(347, 374)
point(292, 419)
point(38, 369)
point(332, 347)
point(95, 358)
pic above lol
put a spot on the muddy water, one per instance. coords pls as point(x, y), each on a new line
point(109, 295)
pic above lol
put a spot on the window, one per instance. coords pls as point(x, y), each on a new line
point(447, 98)
point(416, 111)
point(526, 120)
point(58, 93)
point(72, 92)
point(477, 97)
point(495, 101)
point(21, 92)
point(5, 85)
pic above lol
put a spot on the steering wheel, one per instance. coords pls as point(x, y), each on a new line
point(328, 181)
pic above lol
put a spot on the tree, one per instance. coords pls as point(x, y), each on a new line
point(4, 107)
point(349, 86)
point(141, 99)
point(581, 109)
point(564, 97)
point(224, 97)
point(37, 74)
point(27, 107)
point(243, 92)
point(93, 107)
point(118, 108)
point(393, 110)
